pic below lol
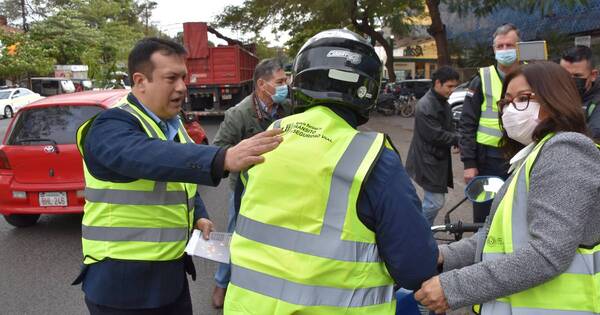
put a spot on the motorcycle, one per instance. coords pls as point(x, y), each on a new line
point(389, 104)
point(479, 190)
point(386, 104)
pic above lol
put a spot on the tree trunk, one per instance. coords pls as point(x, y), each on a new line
point(24, 15)
point(366, 28)
point(438, 31)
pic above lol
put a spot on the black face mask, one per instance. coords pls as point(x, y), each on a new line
point(580, 83)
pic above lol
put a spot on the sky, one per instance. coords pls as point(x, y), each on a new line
point(170, 14)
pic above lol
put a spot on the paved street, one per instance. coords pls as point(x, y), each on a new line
point(38, 263)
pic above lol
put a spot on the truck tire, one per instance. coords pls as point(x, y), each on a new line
point(21, 220)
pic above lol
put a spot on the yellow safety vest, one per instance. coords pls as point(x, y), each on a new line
point(143, 220)
point(299, 247)
point(574, 292)
point(489, 131)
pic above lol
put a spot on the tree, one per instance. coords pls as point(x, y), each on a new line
point(98, 33)
point(28, 10)
point(146, 9)
point(480, 8)
point(29, 58)
point(302, 19)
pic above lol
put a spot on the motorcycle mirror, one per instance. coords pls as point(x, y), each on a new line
point(483, 188)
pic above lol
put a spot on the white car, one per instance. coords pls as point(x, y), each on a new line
point(456, 100)
point(11, 100)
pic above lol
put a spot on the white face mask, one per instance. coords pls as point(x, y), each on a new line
point(519, 125)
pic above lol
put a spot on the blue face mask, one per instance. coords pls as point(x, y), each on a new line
point(506, 57)
point(281, 92)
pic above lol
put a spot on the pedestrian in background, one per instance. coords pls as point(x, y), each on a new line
point(252, 115)
point(579, 62)
point(479, 124)
point(429, 161)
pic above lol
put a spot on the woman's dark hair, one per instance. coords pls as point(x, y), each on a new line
point(557, 95)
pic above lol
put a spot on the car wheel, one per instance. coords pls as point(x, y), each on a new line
point(22, 220)
point(8, 112)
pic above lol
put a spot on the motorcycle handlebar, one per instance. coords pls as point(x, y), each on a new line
point(458, 227)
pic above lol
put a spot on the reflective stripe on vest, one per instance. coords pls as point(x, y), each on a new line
point(489, 131)
point(575, 291)
point(329, 243)
point(308, 295)
point(109, 232)
point(327, 262)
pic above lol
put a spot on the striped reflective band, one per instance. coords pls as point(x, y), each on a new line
point(129, 109)
point(129, 234)
point(302, 294)
point(491, 115)
point(583, 264)
point(306, 243)
point(184, 133)
point(502, 308)
point(159, 196)
point(489, 131)
point(489, 95)
point(328, 244)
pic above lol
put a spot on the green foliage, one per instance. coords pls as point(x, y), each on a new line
point(97, 33)
point(30, 58)
point(263, 50)
point(302, 19)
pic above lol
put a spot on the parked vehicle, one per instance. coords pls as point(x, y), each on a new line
point(456, 100)
point(50, 86)
point(218, 77)
point(82, 85)
point(40, 167)
point(389, 104)
point(12, 99)
point(417, 87)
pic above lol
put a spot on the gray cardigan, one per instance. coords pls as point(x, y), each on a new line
point(563, 212)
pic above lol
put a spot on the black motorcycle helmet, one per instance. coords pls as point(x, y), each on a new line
point(337, 67)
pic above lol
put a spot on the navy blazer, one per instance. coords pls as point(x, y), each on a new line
point(118, 149)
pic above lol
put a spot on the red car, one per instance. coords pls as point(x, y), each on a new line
point(41, 170)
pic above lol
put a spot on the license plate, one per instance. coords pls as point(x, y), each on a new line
point(226, 96)
point(53, 199)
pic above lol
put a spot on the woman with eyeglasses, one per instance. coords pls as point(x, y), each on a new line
point(539, 251)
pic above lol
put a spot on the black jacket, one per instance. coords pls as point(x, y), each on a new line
point(429, 160)
point(593, 114)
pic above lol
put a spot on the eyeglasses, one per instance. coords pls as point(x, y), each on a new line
point(519, 102)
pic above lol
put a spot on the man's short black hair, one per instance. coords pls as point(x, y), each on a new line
point(444, 74)
point(579, 53)
point(139, 57)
